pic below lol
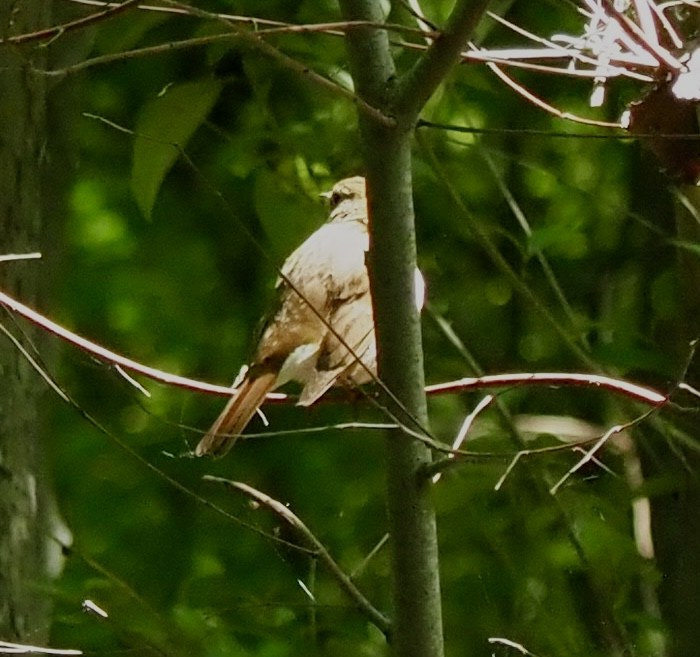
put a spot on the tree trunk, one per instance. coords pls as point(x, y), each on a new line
point(417, 613)
point(24, 537)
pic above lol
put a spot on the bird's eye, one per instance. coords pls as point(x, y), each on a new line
point(336, 197)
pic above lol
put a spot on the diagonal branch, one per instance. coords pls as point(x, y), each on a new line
point(49, 33)
point(105, 354)
point(286, 514)
point(419, 83)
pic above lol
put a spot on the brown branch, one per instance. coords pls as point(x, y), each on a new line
point(420, 82)
point(638, 393)
point(252, 40)
point(589, 455)
point(109, 356)
point(136, 53)
point(255, 41)
point(634, 391)
point(538, 102)
point(7, 647)
point(430, 471)
point(286, 514)
point(458, 456)
point(65, 397)
point(334, 28)
point(113, 9)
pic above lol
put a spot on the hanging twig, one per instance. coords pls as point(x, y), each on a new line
point(286, 514)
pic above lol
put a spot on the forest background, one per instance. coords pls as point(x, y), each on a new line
point(172, 184)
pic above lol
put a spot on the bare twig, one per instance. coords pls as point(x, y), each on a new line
point(113, 9)
point(282, 511)
point(8, 648)
point(519, 215)
point(251, 39)
point(64, 396)
point(511, 644)
point(419, 83)
point(537, 101)
point(20, 256)
point(255, 41)
point(148, 51)
point(589, 455)
point(638, 393)
point(464, 429)
point(264, 25)
point(109, 356)
point(359, 569)
point(642, 39)
point(32, 361)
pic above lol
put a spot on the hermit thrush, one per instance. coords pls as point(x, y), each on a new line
point(322, 330)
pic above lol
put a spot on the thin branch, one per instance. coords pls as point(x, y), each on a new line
point(509, 469)
point(464, 429)
point(636, 392)
point(524, 224)
point(264, 26)
point(250, 39)
point(537, 101)
point(554, 134)
point(589, 455)
point(255, 41)
point(109, 356)
point(20, 256)
point(74, 550)
point(419, 84)
point(554, 50)
point(283, 512)
point(148, 51)
point(458, 457)
point(688, 388)
point(639, 37)
point(488, 244)
point(370, 555)
point(9, 648)
point(507, 58)
point(112, 10)
point(65, 397)
point(322, 429)
point(429, 471)
point(32, 361)
point(511, 644)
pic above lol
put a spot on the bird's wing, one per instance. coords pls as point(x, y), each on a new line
point(328, 269)
point(351, 358)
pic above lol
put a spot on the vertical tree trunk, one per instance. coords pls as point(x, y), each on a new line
point(417, 613)
point(23, 536)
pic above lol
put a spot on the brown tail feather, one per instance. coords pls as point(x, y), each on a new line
point(236, 415)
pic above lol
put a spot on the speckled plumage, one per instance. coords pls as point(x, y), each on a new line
point(323, 295)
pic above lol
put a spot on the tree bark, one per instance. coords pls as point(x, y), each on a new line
point(24, 541)
point(417, 617)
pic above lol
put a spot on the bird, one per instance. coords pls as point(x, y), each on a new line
point(321, 330)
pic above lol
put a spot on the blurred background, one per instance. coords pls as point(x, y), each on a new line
point(169, 257)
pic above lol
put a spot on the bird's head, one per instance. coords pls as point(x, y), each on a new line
point(348, 199)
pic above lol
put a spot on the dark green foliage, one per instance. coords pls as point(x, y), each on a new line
point(184, 290)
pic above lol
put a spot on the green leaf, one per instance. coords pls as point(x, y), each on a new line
point(164, 126)
point(287, 217)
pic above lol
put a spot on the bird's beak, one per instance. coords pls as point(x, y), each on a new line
point(326, 195)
